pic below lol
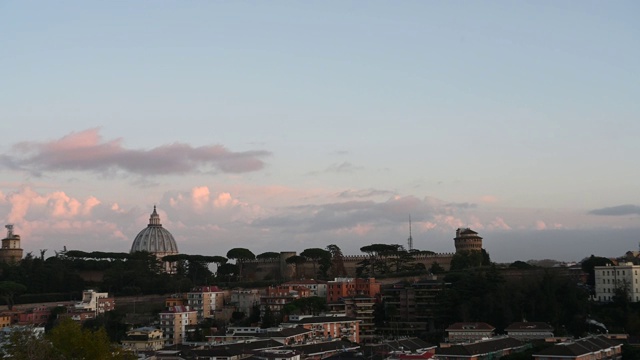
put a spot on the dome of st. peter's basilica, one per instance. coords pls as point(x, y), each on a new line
point(155, 239)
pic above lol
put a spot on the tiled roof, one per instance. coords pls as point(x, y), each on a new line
point(382, 350)
point(580, 346)
point(470, 326)
point(481, 347)
point(325, 347)
point(304, 281)
point(353, 355)
point(286, 332)
point(229, 350)
point(324, 319)
point(529, 326)
point(468, 231)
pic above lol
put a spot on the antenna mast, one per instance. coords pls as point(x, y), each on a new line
point(410, 239)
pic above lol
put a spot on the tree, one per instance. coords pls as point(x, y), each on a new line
point(227, 270)
point(436, 269)
point(297, 261)
point(520, 265)
point(9, 290)
point(337, 261)
point(470, 259)
point(317, 255)
point(70, 341)
point(26, 345)
point(67, 341)
point(378, 256)
point(240, 255)
point(590, 263)
point(268, 255)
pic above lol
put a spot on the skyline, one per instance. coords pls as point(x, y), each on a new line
point(286, 126)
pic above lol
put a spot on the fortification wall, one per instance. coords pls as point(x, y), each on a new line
point(278, 269)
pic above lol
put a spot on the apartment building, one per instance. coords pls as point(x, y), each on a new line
point(411, 306)
point(276, 297)
point(245, 299)
point(205, 300)
point(343, 287)
point(610, 278)
point(174, 323)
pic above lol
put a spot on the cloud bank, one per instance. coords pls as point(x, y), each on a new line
point(620, 210)
point(86, 151)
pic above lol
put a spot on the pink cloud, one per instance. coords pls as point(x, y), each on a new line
point(86, 151)
point(358, 229)
point(200, 196)
point(498, 224)
point(224, 200)
point(540, 225)
point(488, 199)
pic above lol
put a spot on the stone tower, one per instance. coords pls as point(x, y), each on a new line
point(11, 252)
point(467, 240)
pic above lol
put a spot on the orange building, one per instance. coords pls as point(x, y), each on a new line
point(5, 320)
point(345, 287)
point(176, 300)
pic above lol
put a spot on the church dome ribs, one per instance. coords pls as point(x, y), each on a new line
point(154, 238)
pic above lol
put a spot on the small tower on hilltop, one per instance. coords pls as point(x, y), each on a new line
point(467, 240)
point(11, 252)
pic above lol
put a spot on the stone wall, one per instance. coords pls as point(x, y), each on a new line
point(278, 269)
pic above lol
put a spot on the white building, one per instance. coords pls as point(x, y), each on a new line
point(611, 277)
point(95, 302)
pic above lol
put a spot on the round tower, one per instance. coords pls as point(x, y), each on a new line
point(467, 240)
point(11, 252)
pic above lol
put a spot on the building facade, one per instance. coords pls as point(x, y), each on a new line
point(344, 287)
point(277, 297)
point(95, 302)
point(329, 327)
point(411, 306)
point(174, 323)
point(527, 331)
point(469, 332)
point(612, 279)
point(143, 339)
point(317, 287)
point(245, 299)
point(205, 300)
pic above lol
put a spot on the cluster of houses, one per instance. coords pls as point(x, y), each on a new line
point(345, 330)
point(92, 304)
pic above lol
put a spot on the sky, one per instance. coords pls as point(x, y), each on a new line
point(287, 125)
